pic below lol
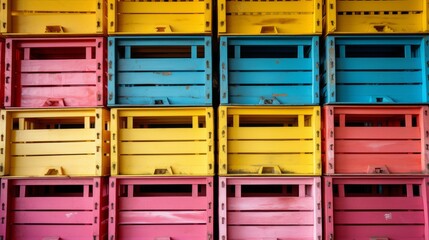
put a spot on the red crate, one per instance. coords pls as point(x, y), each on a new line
point(376, 208)
point(55, 72)
point(376, 139)
point(270, 208)
point(179, 208)
point(54, 208)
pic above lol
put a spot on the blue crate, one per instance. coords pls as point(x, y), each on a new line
point(376, 70)
point(274, 70)
point(161, 71)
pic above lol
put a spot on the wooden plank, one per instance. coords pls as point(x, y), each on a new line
point(271, 203)
point(162, 203)
point(61, 231)
point(260, 133)
point(380, 217)
point(165, 65)
point(403, 232)
point(378, 203)
point(162, 217)
point(270, 218)
point(54, 5)
point(377, 146)
point(383, 6)
point(159, 134)
point(74, 65)
point(302, 7)
point(49, 135)
point(58, 79)
point(188, 232)
point(191, 7)
point(273, 232)
point(53, 217)
point(381, 133)
point(270, 146)
point(53, 203)
point(159, 78)
point(53, 148)
point(170, 147)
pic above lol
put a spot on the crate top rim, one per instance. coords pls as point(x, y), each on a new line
point(374, 177)
point(265, 37)
point(56, 39)
point(159, 37)
point(377, 106)
point(289, 35)
point(270, 107)
point(43, 178)
point(165, 178)
point(363, 36)
point(193, 108)
point(271, 178)
point(49, 36)
point(168, 34)
point(54, 109)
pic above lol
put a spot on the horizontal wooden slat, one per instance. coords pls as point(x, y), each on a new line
point(193, 7)
point(170, 147)
point(260, 133)
point(274, 111)
point(380, 217)
point(167, 134)
point(51, 217)
point(163, 112)
point(53, 203)
point(53, 148)
point(172, 64)
point(49, 135)
point(271, 203)
point(382, 6)
point(270, 146)
point(54, 5)
point(38, 66)
point(162, 217)
point(301, 7)
point(377, 146)
point(363, 64)
point(162, 203)
point(261, 64)
point(378, 203)
point(377, 133)
point(189, 232)
point(159, 78)
point(403, 232)
point(271, 232)
point(58, 79)
point(271, 218)
point(269, 77)
point(62, 231)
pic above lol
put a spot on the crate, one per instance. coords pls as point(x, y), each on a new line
point(2, 60)
point(160, 17)
point(160, 71)
point(53, 17)
point(51, 142)
point(161, 208)
point(270, 208)
point(269, 70)
point(376, 208)
point(162, 141)
point(376, 17)
point(238, 17)
point(54, 208)
point(376, 69)
point(55, 72)
point(376, 139)
point(269, 140)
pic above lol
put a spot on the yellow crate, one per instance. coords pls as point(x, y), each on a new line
point(159, 17)
point(162, 141)
point(46, 142)
point(250, 17)
point(375, 16)
point(269, 140)
point(54, 17)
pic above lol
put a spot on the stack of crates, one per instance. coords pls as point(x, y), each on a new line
point(54, 144)
point(162, 122)
point(269, 131)
point(376, 132)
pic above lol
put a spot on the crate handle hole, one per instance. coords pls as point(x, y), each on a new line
point(378, 238)
point(163, 171)
point(269, 170)
point(268, 29)
point(269, 101)
point(54, 171)
point(378, 170)
point(54, 29)
point(382, 28)
point(54, 102)
point(161, 101)
point(163, 238)
point(381, 99)
point(51, 238)
point(163, 29)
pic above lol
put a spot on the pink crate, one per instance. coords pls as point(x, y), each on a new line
point(376, 139)
point(54, 208)
point(270, 208)
point(1, 72)
point(55, 72)
point(376, 208)
point(154, 208)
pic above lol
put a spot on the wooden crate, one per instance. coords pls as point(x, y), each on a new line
point(270, 208)
point(376, 208)
point(40, 142)
point(269, 140)
point(278, 70)
point(376, 139)
point(160, 71)
point(162, 141)
point(259, 17)
point(161, 208)
point(160, 17)
point(55, 72)
point(54, 208)
point(53, 17)
point(376, 17)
